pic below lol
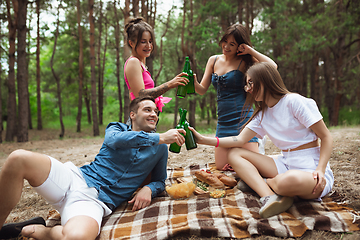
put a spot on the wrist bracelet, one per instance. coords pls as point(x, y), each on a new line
point(217, 144)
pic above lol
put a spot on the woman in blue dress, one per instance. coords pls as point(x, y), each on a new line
point(226, 73)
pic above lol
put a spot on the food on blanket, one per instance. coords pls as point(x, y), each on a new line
point(228, 181)
point(209, 178)
point(202, 185)
point(217, 193)
point(181, 190)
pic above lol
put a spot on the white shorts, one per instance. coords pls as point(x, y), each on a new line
point(305, 160)
point(66, 190)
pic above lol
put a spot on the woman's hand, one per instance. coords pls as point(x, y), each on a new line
point(321, 181)
point(198, 137)
point(244, 49)
point(178, 80)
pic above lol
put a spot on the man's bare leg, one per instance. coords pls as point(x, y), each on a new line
point(20, 165)
point(77, 228)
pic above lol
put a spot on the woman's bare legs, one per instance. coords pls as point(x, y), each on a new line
point(251, 167)
point(296, 183)
point(221, 154)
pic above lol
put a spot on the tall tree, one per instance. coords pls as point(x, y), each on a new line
point(1, 116)
point(150, 17)
point(93, 71)
point(57, 79)
point(81, 67)
point(23, 93)
point(126, 54)
point(100, 80)
point(28, 43)
point(38, 76)
point(11, 102)
point(117, 48)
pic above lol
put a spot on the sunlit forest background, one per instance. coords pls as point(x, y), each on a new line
point(62, 60)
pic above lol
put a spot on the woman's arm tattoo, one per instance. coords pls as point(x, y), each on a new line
point(155, 92)
point(235, 139)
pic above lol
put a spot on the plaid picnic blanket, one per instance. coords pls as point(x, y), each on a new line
point(234, 216)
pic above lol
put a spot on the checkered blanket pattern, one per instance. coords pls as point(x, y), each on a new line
point(234, 216)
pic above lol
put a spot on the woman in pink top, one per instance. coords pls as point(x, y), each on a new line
point(140, 38)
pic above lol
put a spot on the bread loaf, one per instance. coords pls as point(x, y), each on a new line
point(228, 181)
point(209, 178)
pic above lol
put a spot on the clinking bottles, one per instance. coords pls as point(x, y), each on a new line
point(189, 88)
point(189, 137)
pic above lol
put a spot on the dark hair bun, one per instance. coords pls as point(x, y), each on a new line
point(132, 22)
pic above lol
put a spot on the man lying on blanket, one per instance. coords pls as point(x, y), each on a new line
point(84, 195)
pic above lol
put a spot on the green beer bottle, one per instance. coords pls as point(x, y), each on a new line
point(174, 147)
point(182, 90)
point(190, 86)
point(190, 142)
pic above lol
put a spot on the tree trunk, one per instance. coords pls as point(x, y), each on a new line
point(191, 51)
point(135, 8)
point(100, 80)
point(1, 116)
point(150, 18)
point(87, 102)
point(57, 79)
point(161, 47)
point(126, 55)
point(30, 126)
point(11, 102)
point(176, 111)
point(117, 43)
point(38, 76)
point(81, 68)
point(93, 72)
point(103, 63)
point(181, 59)
point(338, 54)
point(328, 82)
point(23, 96)
point(240, 10)
point(315, 92)
point(213, 106)
point(303, 84)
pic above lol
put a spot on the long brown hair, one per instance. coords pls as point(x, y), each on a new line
point(268, 76)
point(241, 35)
point(134, 30)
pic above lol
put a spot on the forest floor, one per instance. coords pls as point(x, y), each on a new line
point(345, 163)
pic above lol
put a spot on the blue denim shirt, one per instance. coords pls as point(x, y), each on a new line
point(125, 159)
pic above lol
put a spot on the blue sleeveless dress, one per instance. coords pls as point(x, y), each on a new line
point(231, 98)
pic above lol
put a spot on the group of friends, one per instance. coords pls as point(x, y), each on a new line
point(131, 164)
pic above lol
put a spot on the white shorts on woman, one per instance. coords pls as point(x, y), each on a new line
point(305, 160)
point(66, 190)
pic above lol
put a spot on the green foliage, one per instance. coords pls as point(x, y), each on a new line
point(292, 32)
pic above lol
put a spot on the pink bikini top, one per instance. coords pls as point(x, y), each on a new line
point(149, 83)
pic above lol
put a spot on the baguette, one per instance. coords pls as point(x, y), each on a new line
point(228, 181)
point(209, 179)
